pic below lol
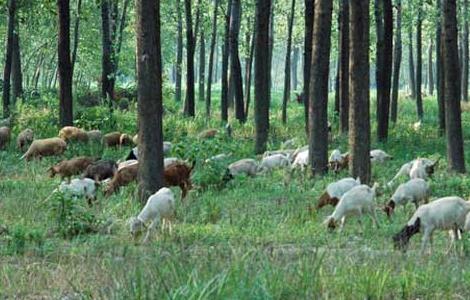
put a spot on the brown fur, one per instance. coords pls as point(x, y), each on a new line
point(70, 133)
point(337, 166)
point(125, 140)
point(179, 174)
point(122, 177)
point(207, 134)
point(325, 199)
point(389, 208)
point(112, 139)
point(45, 147)
point(69, 168)
point(95, 136)
point(5, 134)
point(25, 138)
point(101, 170)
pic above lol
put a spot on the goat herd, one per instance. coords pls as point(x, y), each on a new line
point(348, 195)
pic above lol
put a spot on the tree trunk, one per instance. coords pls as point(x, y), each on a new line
point(338, 67)
point(179, 52)
point(107, 91)
point(76, 33)
point(308, 36)
point(344, 67)
point(295, 63)
point(64, 64)
point(430, 71)
point(465, 52)
point(287, 68)
point(8, 58)
point(16, 72)
point(149, 95)
point(411, 64)
point(271, 45)
point(118, 42)
point(248, 72)
point(455, 151)
point(189, 109)
point(384, 25)
point(262, 75)
point(318, 95)
point(440, 72)
point(359, 114)
point(419, 63)
point(211, 59)
point(202, 66)
point(235, 66)
point(225, 57)
point(397, 56)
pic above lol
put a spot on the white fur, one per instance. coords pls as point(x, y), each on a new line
point(415, 190)
point(301, 160)
point(127, 163)
point(160, 205)
point(406, 168)
point(84, 187)
point(273, 161)
point(335, 156)
point(339, 188)
point(246, 166)
point(379, 156)
point(218, 157)
point(167, 146)
point(418, 170)
point(169, 160)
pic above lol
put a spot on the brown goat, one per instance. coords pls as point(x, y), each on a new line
point(45, 147)
point(69, 168)
point(4, 137)
point(112, 139)
point(70, 133)
point(179, 174)
point(24, 139)
point(208, 134)
point(125, 140)
point(122, 177)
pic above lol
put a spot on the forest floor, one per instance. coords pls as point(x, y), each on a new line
point(251, 239)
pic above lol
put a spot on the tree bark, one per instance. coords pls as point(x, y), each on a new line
point(397, 57)
point(65, 64)
point(465, 52)
point(440, 72)
point(76, 33)
point(189, 109)
point(419, 63)
point(271, 45)
point(8, 58)
point(107, 87)
point(455, 151)
point(318, 95)
point(384, 25)
point(202, 66)
point(262, 75)
point(287, 68)
point(211, 58)
point(359, 114)
point(225, 57)
point(122, 25)
point(344, 67)
point(149, 94)
point(411, 64)
point(308, 36)
point(235, 66)
point(430, 71)
point(16, 72)
point(179, 52)
point(248, 72)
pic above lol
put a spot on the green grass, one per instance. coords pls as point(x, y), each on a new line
point(253, 239)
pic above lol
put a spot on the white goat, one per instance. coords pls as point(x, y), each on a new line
point(406, 168)
point(84, 187)
point(448, 213)
point(357, 201)
point(274, 161)
point(301, 160)
point(335, 190)
point(245, 166)
point(379, 156)
point(218, 157)
point(160, 205)
point(415, 190)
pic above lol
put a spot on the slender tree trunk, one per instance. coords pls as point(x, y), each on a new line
point(308, 36)
point(338, 67)
point(397, 56)
point(149, 94)
point(189, 109)
point(262, 75)
point(211, 58)
point(344, 67)
point(430, 71)
point(295, 63)
point(465, 52)
point(411, 64)
point(359, 114)
point(179, 52)
point(65, 64)
point(225, 57)
point(235, 66)
point(271, 45)
point(76, 33)
point(455, 151)
point(287, 68)
point(440, 72)
point(120, 36)
point(248, 72)
point(16, 72)
point(107, 91)
point(202, 66)
point(8, 58)
point(419, 63)
point(318, 95)
point(384, 25)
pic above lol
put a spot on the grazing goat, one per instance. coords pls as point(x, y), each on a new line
point(160, 205)
point(179, 174)
point(122, 177)
point(357, 201)
point(335, 190)
point(448, 213)
point(112, 139)
point(83, 187)
point(338, 161)
point(101, 170)
point(245, 166)
point(415, 190)
point(4, 137)
point(95, 136)
point(69, 168)
point(125, 140)
point(379, 156)
point(71, 133)
point(45, 147)
point(134, 153)
point(301, 160)
point(218, 157)
point(405, 169)
point(24, 139)
point(208, 134)
point(271, 162)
